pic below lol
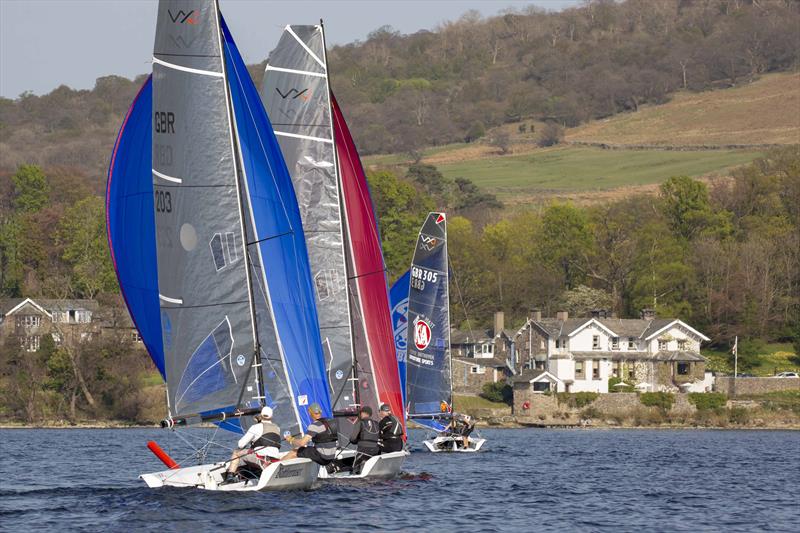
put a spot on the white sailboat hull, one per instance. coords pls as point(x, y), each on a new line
point(383, 466)
point(453, 444)
point(284, 475)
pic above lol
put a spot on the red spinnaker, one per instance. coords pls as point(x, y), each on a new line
point(369, 268)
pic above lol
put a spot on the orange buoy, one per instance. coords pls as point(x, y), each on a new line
point(161, 454)
point(526, 405)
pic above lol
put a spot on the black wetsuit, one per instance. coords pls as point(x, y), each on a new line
point(391, 434)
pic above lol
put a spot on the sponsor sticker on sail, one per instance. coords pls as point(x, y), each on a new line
point(422, 334)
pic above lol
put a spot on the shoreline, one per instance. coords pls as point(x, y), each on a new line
point(482, 425)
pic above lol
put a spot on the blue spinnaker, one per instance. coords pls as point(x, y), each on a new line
point(131, 224)
point(278, 236)
point(398, 301)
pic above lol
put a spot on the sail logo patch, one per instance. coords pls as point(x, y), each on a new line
point(295, 93)
point(182, 17)
point(440, 218)
point(427, 243)
point(422, 334)
point(240, 360)
point(302, 399)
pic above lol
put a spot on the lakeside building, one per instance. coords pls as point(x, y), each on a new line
point(564, 354)
point(64, 320)
point(480, 357)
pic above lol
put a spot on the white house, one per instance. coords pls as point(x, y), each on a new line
point(585, 353)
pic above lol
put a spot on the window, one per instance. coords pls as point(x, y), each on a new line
point(29, 320)
point(476, 369)
point(541, 344)
point(596, 370)
point(541, 386)
point(82, 316)
point(59, 316)
point(631, 343)
point(682, 345)
point(631, 374)
point(615, 343)
point(56, 337)
point(683, 369)
point(595, 342)
point(31, 343)
point(487, 349)
point(615, 369)
point(135, 336)
point(579, 370)
point(662, 345)
point(561, 343)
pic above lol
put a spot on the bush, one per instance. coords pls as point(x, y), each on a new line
point(552, 134)
point(501, 141)
point(707, 400)
point(739, 415)
point(577, 400)
point(662, 400)
point(591, 412)
point(476, 131)
point(499, 392)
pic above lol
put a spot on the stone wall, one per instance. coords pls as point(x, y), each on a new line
point(745, 386)
point(621, 403)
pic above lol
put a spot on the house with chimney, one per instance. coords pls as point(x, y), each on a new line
point(567, 354)
point(482, 356)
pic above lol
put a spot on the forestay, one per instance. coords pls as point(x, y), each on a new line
point(428, 377)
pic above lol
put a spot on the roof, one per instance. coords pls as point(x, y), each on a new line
point(621, 327)
point(530, 375)
point(494, 362)
point(47, 305)
point(469, 337)
point(627, 356)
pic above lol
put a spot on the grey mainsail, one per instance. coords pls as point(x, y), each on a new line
point(206, 309)
point(296, 95)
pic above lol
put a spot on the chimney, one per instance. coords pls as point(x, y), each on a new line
point(562, 315)
point(499, 322)
point(536, 314)
point(648, 314)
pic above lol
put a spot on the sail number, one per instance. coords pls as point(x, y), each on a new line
point(424, 275)
point(163, 202)
point(164, 121)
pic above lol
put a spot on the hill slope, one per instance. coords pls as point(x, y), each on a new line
point(764, 112)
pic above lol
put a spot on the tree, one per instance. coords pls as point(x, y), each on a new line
point(432, 181)
point(582, 300)
point(686, 205)
point(564, 239)
point(475, 132)
point(502, 141)
point(31, 190)
point(82, 232)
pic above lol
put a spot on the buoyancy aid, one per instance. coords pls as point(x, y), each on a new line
point(392, 429)
point(270, 436)
point(329, 435)
point(370, 433)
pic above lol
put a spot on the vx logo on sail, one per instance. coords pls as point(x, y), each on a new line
point(427, 243)
point(182, 17)
point(295, 93)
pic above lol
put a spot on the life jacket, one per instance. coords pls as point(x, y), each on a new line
point(270, 436)
point(392, 430)
point(329, 435)
point(370, 433)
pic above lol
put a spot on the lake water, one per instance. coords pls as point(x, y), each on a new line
point(526, 480)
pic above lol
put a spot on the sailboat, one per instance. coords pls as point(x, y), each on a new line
point(429, 383)
point(341, 234)
point(207, 242)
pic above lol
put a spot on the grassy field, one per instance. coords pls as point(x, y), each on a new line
point(587, 169)
point(764, 112)
point(774, 358)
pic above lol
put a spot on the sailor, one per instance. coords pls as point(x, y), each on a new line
point(366, 435)
point(467, 425)
point(258, 447)
point(322, 433)
point(391, 431)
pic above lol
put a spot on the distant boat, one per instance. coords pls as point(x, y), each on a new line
point(429, 383)
point(207, 242)
point(342, 235)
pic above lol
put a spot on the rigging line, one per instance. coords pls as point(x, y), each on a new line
point(209, 305)
point(383, 271)
point(460, 298)
point(278, 236)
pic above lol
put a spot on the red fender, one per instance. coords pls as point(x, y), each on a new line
point(161, 454)
point(526, 404)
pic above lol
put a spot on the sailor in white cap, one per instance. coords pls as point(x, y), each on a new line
point(258, 447)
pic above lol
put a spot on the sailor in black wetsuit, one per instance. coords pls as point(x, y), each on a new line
point(366, 435)
point(391, 431)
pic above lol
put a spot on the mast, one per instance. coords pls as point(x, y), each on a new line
point(260, 396)
point(343, 218)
